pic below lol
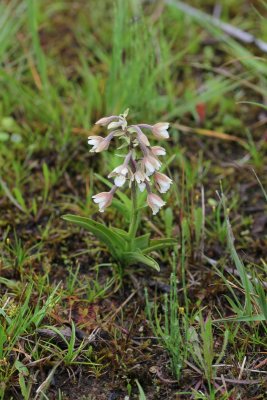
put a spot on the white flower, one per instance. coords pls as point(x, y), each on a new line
point(155, 202)
point(151, 164)
point(103, 199)
point(158, 151)
point(120, 174)
point(140, 179)
point(95, 141)
point(163, 182)
point(160, 130)
point(99, 143)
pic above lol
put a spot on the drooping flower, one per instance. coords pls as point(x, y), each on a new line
point(103, 199)
point(140, 178)
point(160, 130)
point(151, 164)
point(122, 171)
point(99, 143)
point(120, 174)
point(155, 202)
point(158, 151)
point(95, 141)
point(162, 182)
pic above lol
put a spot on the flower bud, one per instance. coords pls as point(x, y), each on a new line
point(106, 120)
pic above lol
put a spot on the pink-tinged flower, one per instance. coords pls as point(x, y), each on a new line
point(155, 202)
point(120, 174)
point(160, 130)
point(95, 141)
point(103, 199)
point(121, 171)
point(151, 164)
point(140, 179)
point(106, 120)
point(99, 143)
point(158, 151)
point(162, 182)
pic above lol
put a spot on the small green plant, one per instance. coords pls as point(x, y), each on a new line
point(171, 331)
point(16, 321)
point(140, 170)
point(202, 350)
point(252, 307)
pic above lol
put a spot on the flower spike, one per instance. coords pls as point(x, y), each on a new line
point(140, 163)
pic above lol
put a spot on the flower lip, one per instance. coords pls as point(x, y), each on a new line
point(120, 180)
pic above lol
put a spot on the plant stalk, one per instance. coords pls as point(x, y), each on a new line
point(134, 214)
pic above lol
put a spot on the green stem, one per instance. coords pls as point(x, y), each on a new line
point(134, 214)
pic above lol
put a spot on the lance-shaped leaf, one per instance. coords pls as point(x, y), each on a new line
point(134, 257)
point(157, 244)
point(141, 242)
point(115, 243)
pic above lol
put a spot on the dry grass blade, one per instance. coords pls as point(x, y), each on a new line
point(47, 381)
point(210, 133)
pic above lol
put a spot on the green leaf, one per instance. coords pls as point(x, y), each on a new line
point(134, 257)
point(142, 395)
point(158, 244)
point(21, 368)
point(19, 197)
point(141, 242)
point(115, 243)
point(121, 232)
point(245, 318)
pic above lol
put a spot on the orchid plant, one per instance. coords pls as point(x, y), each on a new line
point(140, 172)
